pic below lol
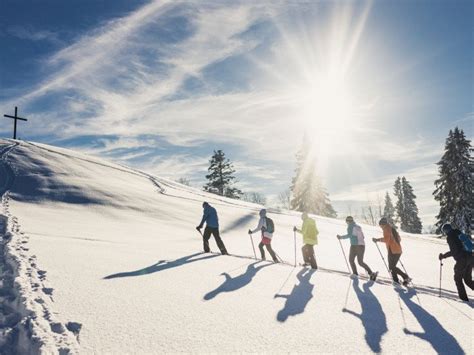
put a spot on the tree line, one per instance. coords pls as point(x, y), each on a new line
point(453, 189)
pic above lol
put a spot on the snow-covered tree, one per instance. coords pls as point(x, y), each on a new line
point(221, 176)
point(284, 199)
point(406, 209)
point(184, 181)
point(308, 193)
point(455, 185)
point(397, 191)
point(412, 222)
point(254, 197)
point(389, 210)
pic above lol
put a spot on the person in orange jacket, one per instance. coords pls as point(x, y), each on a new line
point(394, 249)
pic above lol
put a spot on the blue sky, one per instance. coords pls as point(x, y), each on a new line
point(160, 84)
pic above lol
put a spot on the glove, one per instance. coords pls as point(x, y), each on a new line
point(441, 256)
point(198, 228)
point(375, 240)
point(295, 229)
point(338, 236)
point(250, 232)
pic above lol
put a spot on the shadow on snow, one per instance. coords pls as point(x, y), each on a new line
point(161, 265)
point(231, 284)
point(433, 332)
point(240, 222)
point(299, 297)
point(371, 316)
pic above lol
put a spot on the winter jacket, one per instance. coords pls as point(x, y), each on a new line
point(354, 232)
point(210, 217)
point(262, 222)
point(310, 232)
point(390, 240)
point(456, 249)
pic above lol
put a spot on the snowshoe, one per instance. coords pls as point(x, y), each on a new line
point(407, 282)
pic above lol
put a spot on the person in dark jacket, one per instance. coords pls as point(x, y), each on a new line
point(464, 260)
point(212, 227)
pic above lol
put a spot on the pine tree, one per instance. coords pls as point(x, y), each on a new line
point(406, 209)
point(221, 176)
point(308, 193)
point(412, 222)
point(397, 191)
point(455, 186)
point(389, 210)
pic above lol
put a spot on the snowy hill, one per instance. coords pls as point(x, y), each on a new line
point(103, 258)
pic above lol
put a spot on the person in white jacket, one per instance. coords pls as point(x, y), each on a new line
point(265, 225)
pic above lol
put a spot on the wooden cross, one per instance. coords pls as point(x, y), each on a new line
point(16, 118)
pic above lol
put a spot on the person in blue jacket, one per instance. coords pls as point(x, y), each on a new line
point(212, 227)
point(356, 236)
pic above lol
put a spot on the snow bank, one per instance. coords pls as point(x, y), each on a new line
point(105, 259)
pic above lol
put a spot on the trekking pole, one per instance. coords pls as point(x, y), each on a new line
point(294, 234)
point(202, 237)
point(278, 257)
point(344, 253)
point(440, 275)
point(253, 247)
point(383, 259)
point(403, 266)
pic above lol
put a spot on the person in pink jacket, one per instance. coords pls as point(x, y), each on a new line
point(265, 225)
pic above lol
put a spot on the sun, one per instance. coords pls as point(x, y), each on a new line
point(312, 74)
point(328, 106)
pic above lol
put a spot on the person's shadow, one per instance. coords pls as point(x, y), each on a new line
point(231, 284)
point(433, 332)
point(371, 316)
point(299, 297)
point(161, 265)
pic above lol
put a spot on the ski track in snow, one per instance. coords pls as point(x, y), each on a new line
point(370, 308)
point(27, 325)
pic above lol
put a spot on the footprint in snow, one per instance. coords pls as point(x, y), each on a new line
point(48, 290)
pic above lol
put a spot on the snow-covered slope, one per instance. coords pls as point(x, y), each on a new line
point(103, 258)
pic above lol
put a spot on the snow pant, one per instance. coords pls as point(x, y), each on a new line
point(358, 251)
point(463, 271)
point(392, 266)
point(215, 232)
point(308, 255)
point(270, 250)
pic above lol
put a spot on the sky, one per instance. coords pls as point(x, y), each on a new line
point(159, 85)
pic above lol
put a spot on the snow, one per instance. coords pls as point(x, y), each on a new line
point(106, 259)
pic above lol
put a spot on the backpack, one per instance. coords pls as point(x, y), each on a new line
point(466, 242)
point(357, 231)
point(396, 236)
point(270, 226)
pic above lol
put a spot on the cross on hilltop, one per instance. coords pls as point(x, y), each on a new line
point(16, 118)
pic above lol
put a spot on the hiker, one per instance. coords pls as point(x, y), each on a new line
point(310, 238)
point(266, 226)
point(460, 248)
point(212, 227)
point(392, 240)
point(356, 236)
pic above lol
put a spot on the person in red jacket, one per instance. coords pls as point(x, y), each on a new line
point(394, 249)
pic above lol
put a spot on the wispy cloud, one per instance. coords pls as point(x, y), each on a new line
point(31, 34)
